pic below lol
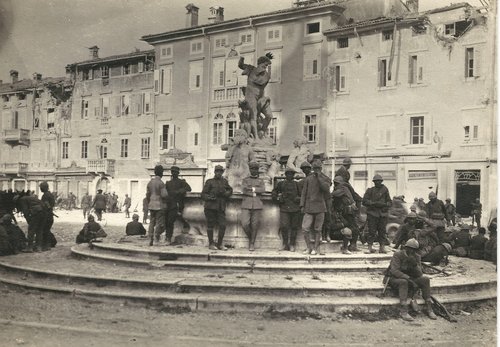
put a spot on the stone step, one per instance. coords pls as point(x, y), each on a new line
point(254, 264)
point(98, 275)
point(238, 255)
point(222, 302)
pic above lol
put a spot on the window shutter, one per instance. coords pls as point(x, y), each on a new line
point(218, 69)
point(140, 66)
point(167, 80)
point(115, 105)
point(161, 141)
point(151, 103)
point(231, 72)
point(420, 71)
point(381, 78)
point(276, 66)
point(466, 63)
point(157, 81)
point(427, 130)
point(477, 62)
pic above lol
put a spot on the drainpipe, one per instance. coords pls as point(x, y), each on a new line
point(210, 91)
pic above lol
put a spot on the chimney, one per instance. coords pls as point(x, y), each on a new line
point(94, 52)
point(37, 76)
point(14, 75)
point(216, 14)
point(412, 5)
point(191, 16)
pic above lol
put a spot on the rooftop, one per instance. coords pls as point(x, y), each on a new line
point(117, 57)
point(30, 84)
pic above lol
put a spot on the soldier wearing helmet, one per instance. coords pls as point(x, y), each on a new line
point(377, 201)
point(405, 274)
point(450, 212)
point(343, 209)
point(437, 214)
point(343, 171)
point(404, 230)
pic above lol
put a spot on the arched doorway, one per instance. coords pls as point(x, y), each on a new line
point(103, 184)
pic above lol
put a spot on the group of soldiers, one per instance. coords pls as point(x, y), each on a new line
point(38, 213)
point(105, 203)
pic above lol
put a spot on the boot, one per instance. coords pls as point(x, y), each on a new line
point(251, 247)
point(212, 247)
point(308, 243)
point(220, 239)
point(382, 249)
point(403, 312)
point(317, 243)
point(428, 310)
point(353, 248)
point(370, 249)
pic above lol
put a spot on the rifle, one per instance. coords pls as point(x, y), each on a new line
point(436, 269)
point(441, 310)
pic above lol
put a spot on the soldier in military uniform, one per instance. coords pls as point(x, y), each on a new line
point(215, 193)
point(251, 206)
point(377, 201)
point(177, 189)
point(405, 274)
point(438, 215)
point(287, 195)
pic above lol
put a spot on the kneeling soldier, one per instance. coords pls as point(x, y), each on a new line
point(405, 274)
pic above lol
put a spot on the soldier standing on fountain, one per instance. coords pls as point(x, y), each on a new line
point(177, 189)
point(251, 205)
point(287, 195)
point(156, 194)
point(377, 201)
point(437, 213)
point(313, 205)
point(216, 192)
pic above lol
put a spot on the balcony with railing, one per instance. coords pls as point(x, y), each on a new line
point(17, 137)
point(227, 94)
point(101, 166)
point(14, 168)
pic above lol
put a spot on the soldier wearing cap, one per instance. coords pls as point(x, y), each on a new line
point(377, 201)
point(343, 206)
point(34, 211)
point(85, 204)
point(287, 194)
point(450, 212)
point(99, 204)
point(177, 189)
point(127, 202)
point(251, 205)
point(156, 195)
point(404, 230)
point(215, 193)
point(312, 202)
point(437, 214)
point(405, 274)
point(135, 227)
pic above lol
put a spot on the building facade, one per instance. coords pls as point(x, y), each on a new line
point(35, 115)
point(109, 145)
point(412, 99)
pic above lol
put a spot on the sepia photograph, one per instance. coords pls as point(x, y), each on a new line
point(222, 173)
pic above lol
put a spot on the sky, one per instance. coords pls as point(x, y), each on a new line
point(44, 36)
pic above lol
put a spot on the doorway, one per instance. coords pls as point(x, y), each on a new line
point(468, 188)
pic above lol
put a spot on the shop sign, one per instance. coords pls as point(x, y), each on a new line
point(468, 175)
point(387, 174)
point(361, 175)
point(422, 174)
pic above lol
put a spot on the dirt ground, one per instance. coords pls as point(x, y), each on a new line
point(30, 318)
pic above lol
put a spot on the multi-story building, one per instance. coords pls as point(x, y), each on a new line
point(34, 116)
point(413, 99)
point(198, 82)
point(110, 142)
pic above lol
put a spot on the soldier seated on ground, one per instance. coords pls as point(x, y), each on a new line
point(438, 254)
point(91, 231)
point(477, 243)
point(16, 236)
point(461, 241)
point(135, 227)
point(405, 275)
